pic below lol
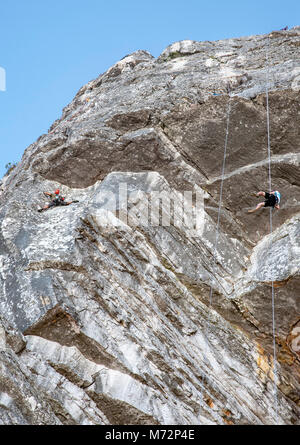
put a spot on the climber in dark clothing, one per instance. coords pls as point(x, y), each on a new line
point(271, 200)
point(57, 200)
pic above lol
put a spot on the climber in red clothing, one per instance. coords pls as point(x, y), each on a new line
point(56, 200)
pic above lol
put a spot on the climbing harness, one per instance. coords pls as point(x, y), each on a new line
point(271, 230)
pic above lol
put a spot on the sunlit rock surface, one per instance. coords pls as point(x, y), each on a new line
point(114, 314)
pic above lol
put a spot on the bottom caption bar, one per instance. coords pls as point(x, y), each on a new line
point(136, 434)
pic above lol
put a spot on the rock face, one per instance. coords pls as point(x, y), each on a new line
point(114, 313)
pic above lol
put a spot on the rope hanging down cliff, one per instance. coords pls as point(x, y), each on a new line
point(271, 222)
point(205, 378)
point(221, 191)
point(271, 229)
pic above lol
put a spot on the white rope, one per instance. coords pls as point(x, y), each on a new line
point(221, 193)
point(271, 230)
point(271, 225)
point(217, 232)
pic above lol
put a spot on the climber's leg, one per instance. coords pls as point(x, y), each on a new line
point(259, 206)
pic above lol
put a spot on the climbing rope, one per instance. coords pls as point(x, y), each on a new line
point(271, 222)
point(271, 230)
point(204, 378)
point(221, 192)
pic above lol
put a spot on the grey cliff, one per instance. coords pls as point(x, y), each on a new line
point(105, 319)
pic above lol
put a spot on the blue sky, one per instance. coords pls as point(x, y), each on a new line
point(49, 49)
